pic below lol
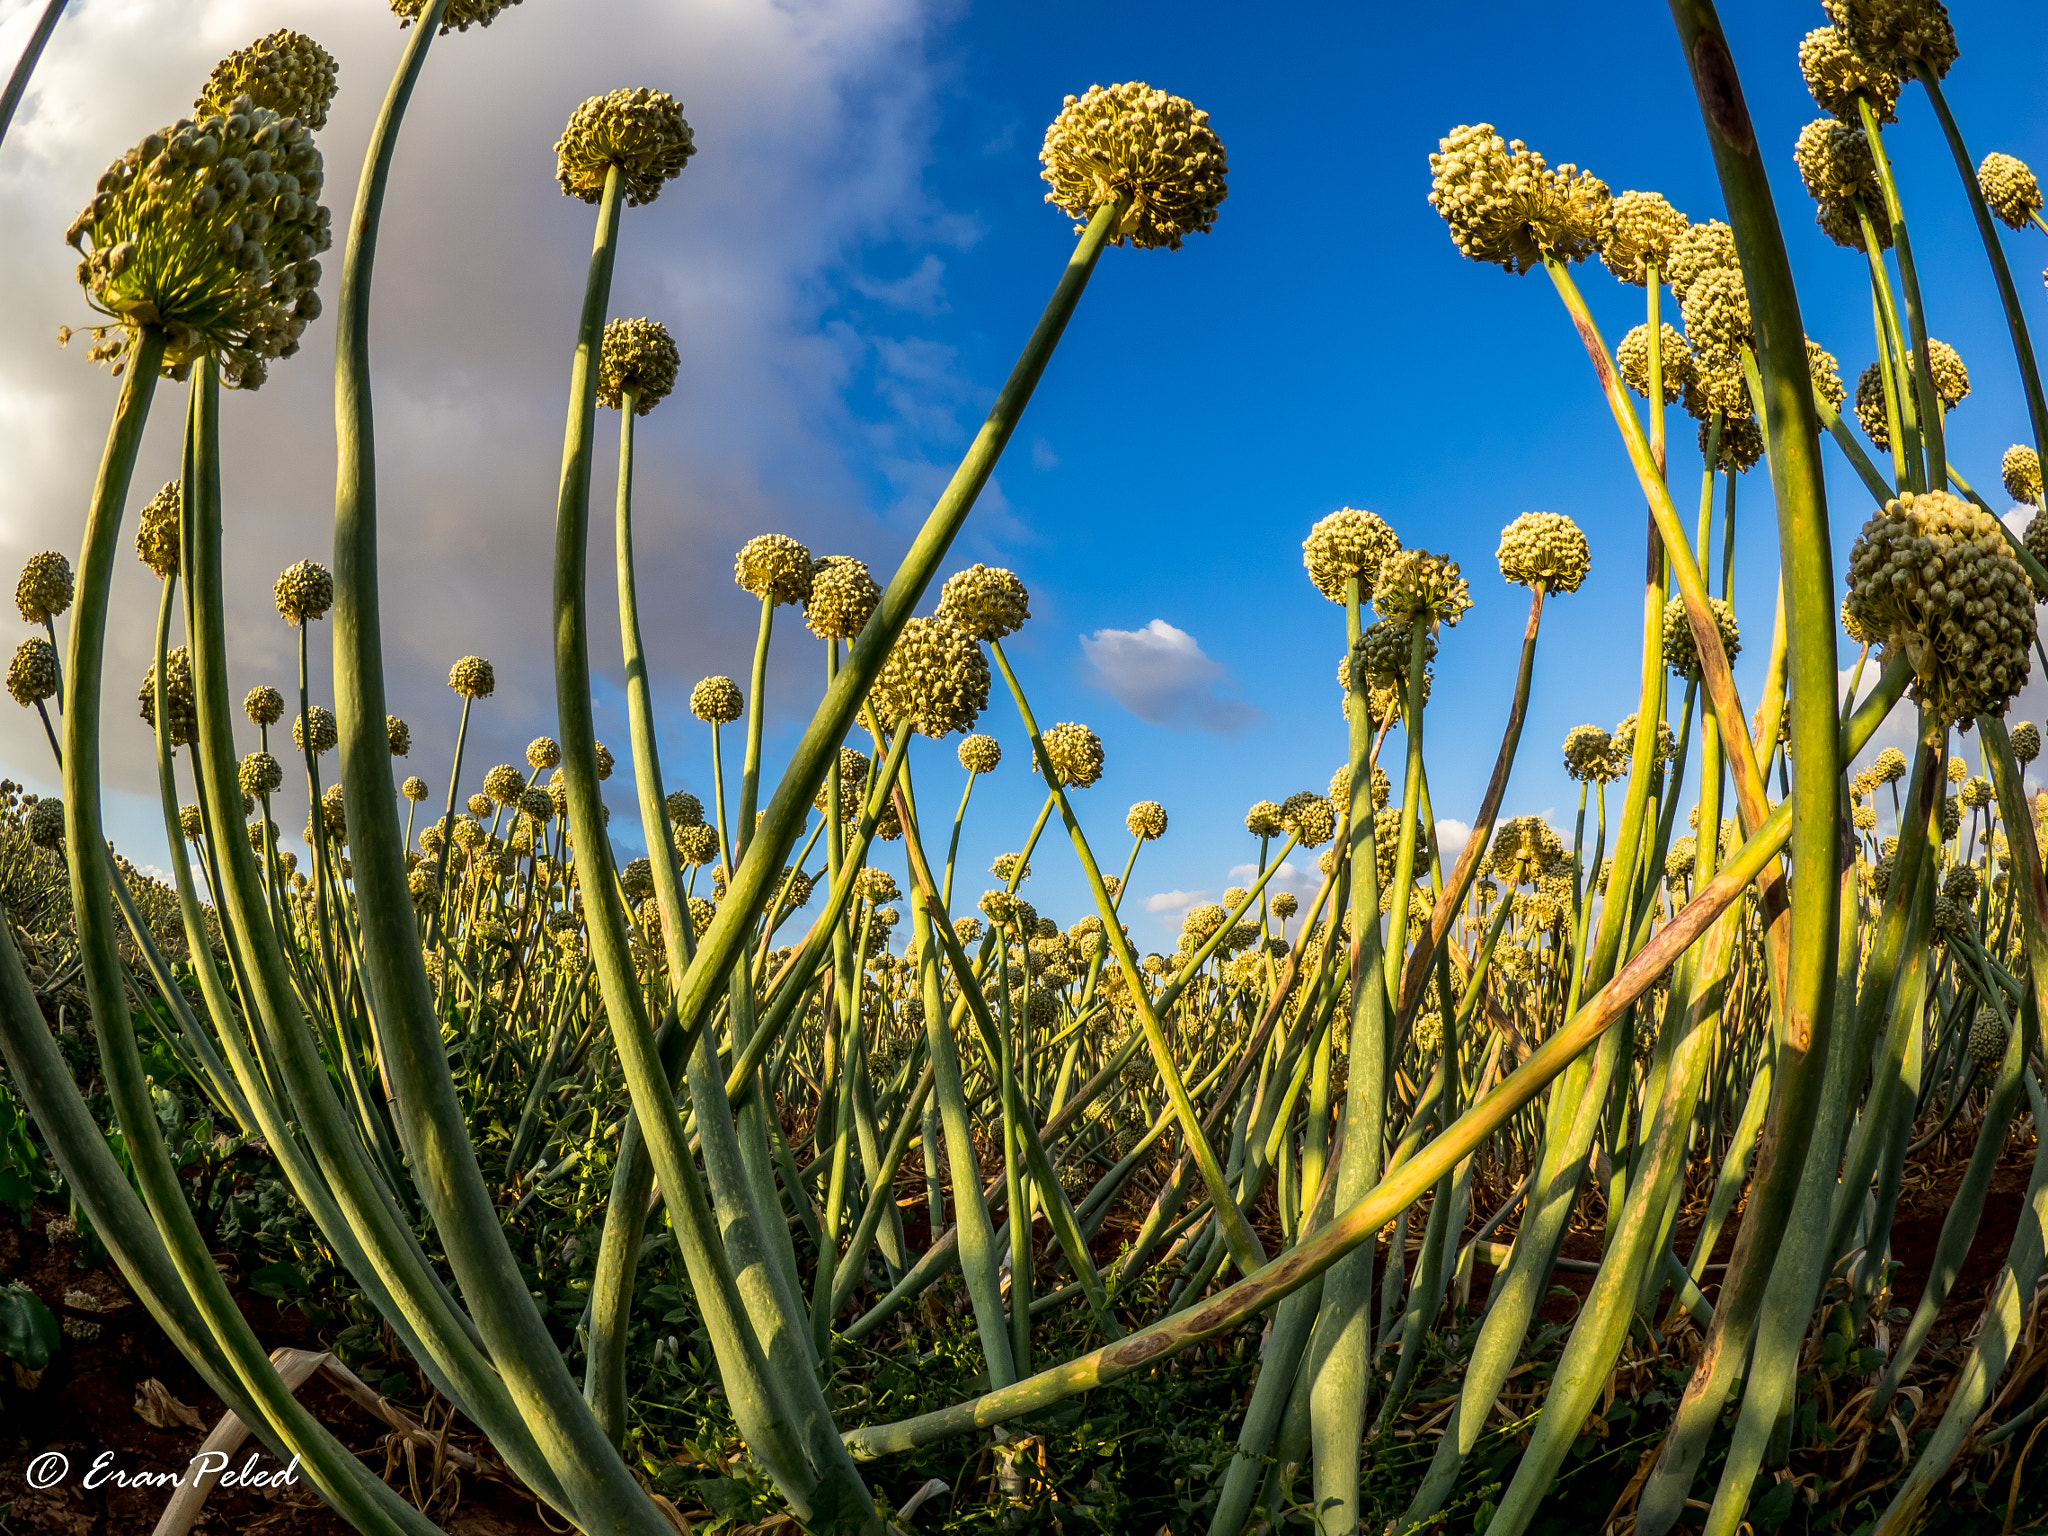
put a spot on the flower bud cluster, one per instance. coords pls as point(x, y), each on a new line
point(1642, 229)
point(1897, 33)
point(1131, 141)
point(1931, 578)
point(1837, 74)
point(1075, 753)
point(1840, 173)
point(987, 602)
point(2010, 189)
point(45, 587)
point(1681, 650)
point(159, 530)
point(286, 72)
point(1544, 549)
point(211, 230)
point(1347, 543)
point(1416, 587)
point(638, 356)
point(1147, 820)
point(642, 132)
point(1504, 204)
point(716, 701)
point(183, 701)
point(980, 754)
point(305, 591)
point(775, 568)
point(32, 675)
point(935, 677)
point(842, 597)
point(1674, 360)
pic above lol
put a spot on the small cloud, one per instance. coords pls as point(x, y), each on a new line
point(1451, 837)
point(1174, 901)
point(921, 292)
point(1161, 675)
point(1042, 456)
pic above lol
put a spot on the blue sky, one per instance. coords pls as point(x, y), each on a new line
point(850, 266)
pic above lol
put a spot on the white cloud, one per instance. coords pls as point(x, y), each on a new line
point(921, 291)
point(1175, 902)
point(1161, 675)
point(813, 126)
point(1451, 837)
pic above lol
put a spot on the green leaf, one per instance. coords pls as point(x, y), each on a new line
point(28, 1331)
point(279, 1282)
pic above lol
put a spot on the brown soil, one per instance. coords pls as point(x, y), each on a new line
point(83, 1405)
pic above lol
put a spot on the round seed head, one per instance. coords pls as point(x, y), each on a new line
point(638, 356)
point(263, 706)
point(1285, 905)
point(1131, 141)
point(716, 701)
point(1863, 817)
point(1680, 859)
point(460, 16)
point(305, 591)
point(1347, 543)
point(637, 879)
point(605, 763)
point(1546, 549)
point(1870, 414)
point(1681, 653)
point(1642, 229)
point(1740, 447)
point(1715, 387)
point(1625, 743)
point(986, 601)
point(1890, 766)
point(157, 530)
point(2021, 471)
point(775, 568)
point(1416, 587)
point(1976, 795)
point(1263, 819)
point(1674, 359)
point(1931, 578)
point(642, 132)
point(1951, 378)
point(2010, 189)
point(684, 809)
point(1717, 323)
point(1307, 815)
point(1826, 374)
point(2036, 540)
point(1987, 1040)
point(1075, 753)
point(2026, 741)
point(32, 674)
point(46, 823)
point(211, 230)
point(980, 754)
point(1835, 74)
point(543, 752)
point(1504, 204)
point(697, 844)
point(935, 677)
point(314, 731)
point(1897, 33)
point(1588, 753)
point(44, 590)
point(1835, 162)
point(259, 774)
point(875, 886)
point(537, 805)
point(504, 784)
point(398, 735)
point(183, 724)
point(287, 72)
point(473, 678)
point(414, 788)
point(1703, 247)
point(1147, 820)
point(841, 598)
